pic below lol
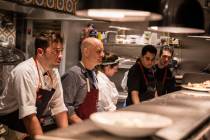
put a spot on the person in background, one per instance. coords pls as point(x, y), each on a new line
point(80, 82)
point(34, 87)
point(165, 80)
point(141, 77)
point(108, 94)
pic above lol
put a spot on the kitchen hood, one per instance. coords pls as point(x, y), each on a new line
point(37, 13)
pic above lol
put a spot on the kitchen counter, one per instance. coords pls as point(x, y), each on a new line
point(189, 110)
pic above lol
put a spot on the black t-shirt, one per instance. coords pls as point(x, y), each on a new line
point(165, 86)
point(137, 82)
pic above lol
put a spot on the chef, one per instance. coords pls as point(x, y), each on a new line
point(33, 91)
point(108, 94)
point(80, 82)
point(141, 77)
point(165, 80)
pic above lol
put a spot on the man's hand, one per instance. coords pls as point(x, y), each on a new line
point(74, 118)
point(135, 97)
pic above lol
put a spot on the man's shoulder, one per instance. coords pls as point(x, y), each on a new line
point(135, 67)
point(75, 68)
point(27, 65)
point(74, 71)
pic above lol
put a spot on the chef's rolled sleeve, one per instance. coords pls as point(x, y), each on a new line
point(26, 111)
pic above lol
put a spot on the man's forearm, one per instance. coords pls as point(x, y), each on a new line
point(32, 125)
point(61, 120)
point(135, 97)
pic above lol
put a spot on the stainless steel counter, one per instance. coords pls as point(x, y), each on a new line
point(189, 110)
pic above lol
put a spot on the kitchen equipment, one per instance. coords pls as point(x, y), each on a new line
point(196, 88)
point(9, 58)
point(110, 36)
point(196, 81)
point(130, 123)
point(176, 30)
point(146, 37)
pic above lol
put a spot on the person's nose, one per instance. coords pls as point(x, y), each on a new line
point(102, 53)
point(150, 62)
point(60, 55)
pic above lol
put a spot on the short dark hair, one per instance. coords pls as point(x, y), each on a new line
point(44, 39)
point(166, 48)
point(149, 48)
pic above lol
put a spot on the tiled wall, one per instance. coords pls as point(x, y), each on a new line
point(8, 34)
point(60, 5)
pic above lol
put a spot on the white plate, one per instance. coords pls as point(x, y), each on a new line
point(196, 88)
point(129, 123)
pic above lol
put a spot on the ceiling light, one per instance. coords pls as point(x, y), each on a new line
point(115, 14)
point(119, 10)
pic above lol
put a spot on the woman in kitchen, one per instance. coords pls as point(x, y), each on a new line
point(108, 94)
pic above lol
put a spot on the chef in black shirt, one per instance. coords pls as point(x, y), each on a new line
point(165, 80)
point(141, 81)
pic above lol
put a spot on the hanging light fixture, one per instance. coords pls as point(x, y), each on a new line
point(116, 10)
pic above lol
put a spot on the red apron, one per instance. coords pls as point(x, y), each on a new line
point(89, 104)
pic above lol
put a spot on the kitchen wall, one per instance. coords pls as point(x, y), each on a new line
point(67, 6)
point(8, 34)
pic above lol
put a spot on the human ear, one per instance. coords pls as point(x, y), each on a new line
point(40, 51)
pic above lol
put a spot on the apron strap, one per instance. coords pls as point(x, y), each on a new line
point(145, 78)
point(164, 76)
point(93, 77)
point(48, 73)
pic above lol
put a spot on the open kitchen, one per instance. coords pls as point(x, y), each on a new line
point(108, 69)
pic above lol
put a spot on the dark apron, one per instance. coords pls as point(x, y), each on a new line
point(42, 100)
point(150, 86)
point(161, 84)
point(89, 104)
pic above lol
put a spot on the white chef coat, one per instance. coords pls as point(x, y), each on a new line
point(21, 88)
point(108, 94)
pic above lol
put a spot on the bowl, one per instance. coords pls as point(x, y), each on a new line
point(130, 123)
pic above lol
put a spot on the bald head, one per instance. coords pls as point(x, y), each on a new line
point(92, 51)
point(90, 42)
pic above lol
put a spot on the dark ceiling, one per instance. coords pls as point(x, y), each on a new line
point(146, 5)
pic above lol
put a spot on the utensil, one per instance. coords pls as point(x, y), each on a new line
point(130, 123)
